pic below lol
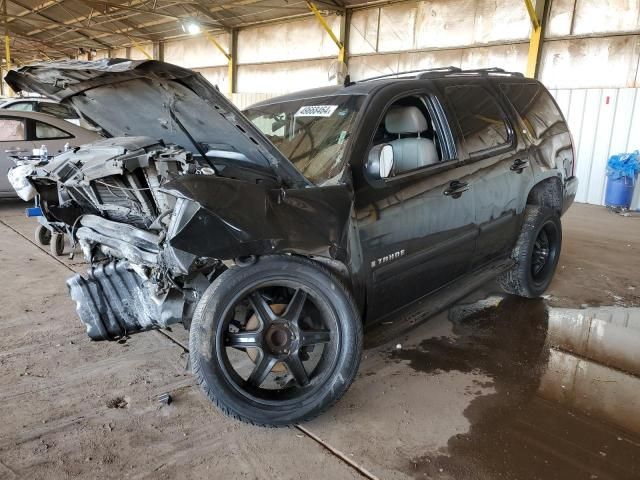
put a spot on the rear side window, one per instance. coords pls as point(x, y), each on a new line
point(481, 119)
point(536, 107)
point(57, 110)
point(21, 106)
point(11, 130)
point(45, 131)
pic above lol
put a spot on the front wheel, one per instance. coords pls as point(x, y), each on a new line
point(43, 235)
point(276, 342)
point(536, 253)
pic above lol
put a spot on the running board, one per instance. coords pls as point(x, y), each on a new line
point(431, 304)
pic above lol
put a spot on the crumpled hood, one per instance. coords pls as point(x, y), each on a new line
point(157, 100)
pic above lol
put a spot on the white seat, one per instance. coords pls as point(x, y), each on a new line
point(413, 152)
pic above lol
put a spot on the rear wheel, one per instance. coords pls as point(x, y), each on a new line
point(275, 342)
point(56, 245)
point(536, 253)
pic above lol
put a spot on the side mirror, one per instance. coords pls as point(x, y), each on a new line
point(380, 161)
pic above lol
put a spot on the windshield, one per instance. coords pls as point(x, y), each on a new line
point(312, 133)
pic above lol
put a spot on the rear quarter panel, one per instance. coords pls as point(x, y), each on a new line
point(546, 131)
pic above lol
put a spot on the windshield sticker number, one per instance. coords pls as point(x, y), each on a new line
point(316, 111)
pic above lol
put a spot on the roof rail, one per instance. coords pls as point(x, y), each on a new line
point(474, 71)
point(418, 72)
point(442, 71)
point(491, 70)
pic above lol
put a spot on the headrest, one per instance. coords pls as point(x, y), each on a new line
point(405, 120)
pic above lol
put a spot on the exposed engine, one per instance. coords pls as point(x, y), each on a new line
point(109, 198)
point(154, 220)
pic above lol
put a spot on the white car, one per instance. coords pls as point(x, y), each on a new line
point(42, 105)
point(24, 133)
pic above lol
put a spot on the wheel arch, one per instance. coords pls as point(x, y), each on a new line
point(547, 193)
point(339, 268)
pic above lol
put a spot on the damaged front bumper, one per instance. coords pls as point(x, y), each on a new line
point(115, 300)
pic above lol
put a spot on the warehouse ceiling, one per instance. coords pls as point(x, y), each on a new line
point(41, 29)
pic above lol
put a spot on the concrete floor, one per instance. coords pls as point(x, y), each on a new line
point(485, 390)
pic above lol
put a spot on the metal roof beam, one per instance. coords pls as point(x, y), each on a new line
point(67, 28)
point(218, 8)
point(30, 11)
point(141, 31)
point(116, 6)
point(76, 20)
point(200, 7)
point(107, 11)
point(53, 20)
point(31, 40)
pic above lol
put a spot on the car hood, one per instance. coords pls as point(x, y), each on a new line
point(157, 100)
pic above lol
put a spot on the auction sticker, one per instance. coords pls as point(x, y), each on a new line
point(316, 111)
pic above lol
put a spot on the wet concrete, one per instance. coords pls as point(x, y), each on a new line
point(515, 432)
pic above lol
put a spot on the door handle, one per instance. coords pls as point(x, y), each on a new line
point(519, 165)
point(456, 189)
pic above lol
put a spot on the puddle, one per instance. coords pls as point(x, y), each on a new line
point(566, 401)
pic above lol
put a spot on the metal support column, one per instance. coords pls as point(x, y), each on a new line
point(138, 47)
point(345, 26)
point(158, 51)
point(342, 52)
point(233, 64)
point(229, 57)
point(536, 14)
point(7, 43)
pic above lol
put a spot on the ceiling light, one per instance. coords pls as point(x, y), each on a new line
point(192, 28)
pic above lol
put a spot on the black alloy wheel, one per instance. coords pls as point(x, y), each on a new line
point(536, 253)
point(275, 342)
point(540, 254)
point(544, 254)
point(284, 330)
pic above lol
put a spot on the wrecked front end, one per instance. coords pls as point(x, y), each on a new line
point(183, 186)
point(158, 226)
point(107, 196)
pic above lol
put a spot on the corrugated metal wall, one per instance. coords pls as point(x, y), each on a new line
point(243, 100)
point(588, 43)
point(603, 122)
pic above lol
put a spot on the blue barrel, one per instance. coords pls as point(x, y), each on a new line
point(619, 192)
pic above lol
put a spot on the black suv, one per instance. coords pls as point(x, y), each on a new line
point(274, 236)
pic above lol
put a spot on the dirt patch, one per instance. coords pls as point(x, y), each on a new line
point(117, 402)
point(600, 259)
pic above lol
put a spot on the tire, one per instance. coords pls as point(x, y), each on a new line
point(56, 246)
point(43, 235)
point(325, 299)
point(528, 278)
